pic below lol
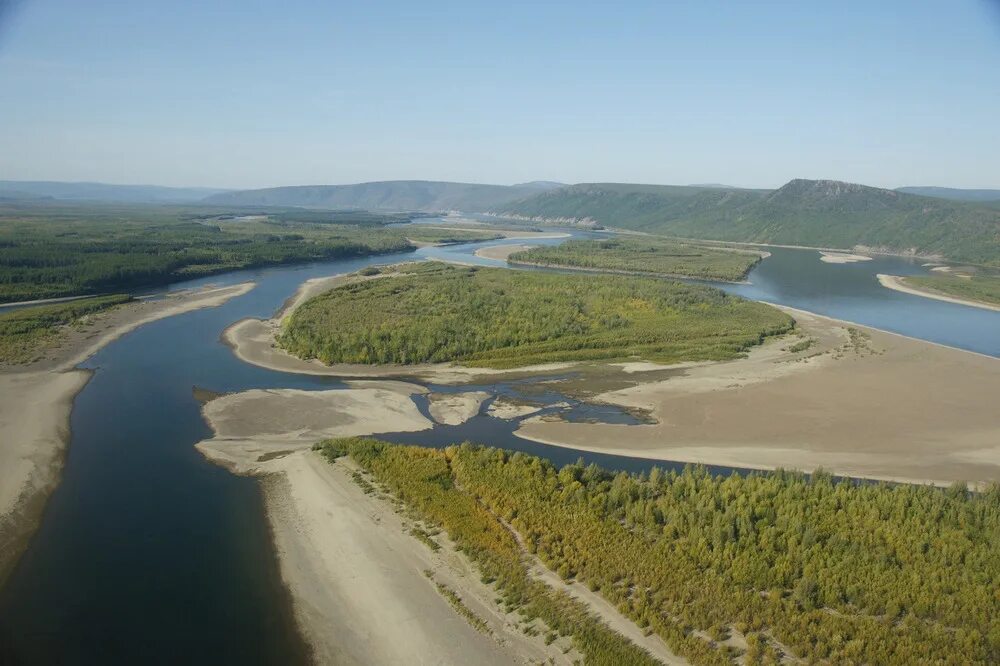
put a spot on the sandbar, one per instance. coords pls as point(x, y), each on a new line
point(842, 258)
point(455, 408)
point(858, 402)
point(898, 283)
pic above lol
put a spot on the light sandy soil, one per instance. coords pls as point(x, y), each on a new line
point(357, 578)
point(874, 405)
point(505, 409)
point(897, 283)
point(455, 408)
point(35, 405)
point(842, 258)
point(501, 252)
point(252, 427)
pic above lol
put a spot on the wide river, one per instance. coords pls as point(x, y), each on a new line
point(149, 554)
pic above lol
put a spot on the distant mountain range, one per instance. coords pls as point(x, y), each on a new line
point(963, 225)
point(45, 189)
point(397, 195)
point(992, 196)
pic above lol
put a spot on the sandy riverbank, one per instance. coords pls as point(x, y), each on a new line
point(858, 402)
point(36, 404)
point(897, 283)
point(501, 252)
point(364, 589)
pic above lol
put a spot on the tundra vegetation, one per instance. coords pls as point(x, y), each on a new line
point(59, 249)
point(494, 317)
point(643, 255)
point(25, 333)
point(803, 567)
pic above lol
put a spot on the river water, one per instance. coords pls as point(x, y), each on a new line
point(149, 554)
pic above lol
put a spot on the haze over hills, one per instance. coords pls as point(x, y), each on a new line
point(39, 189)
point(821, 213)
point(957, 194)
point(387, 195)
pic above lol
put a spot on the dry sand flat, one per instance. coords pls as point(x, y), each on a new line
point(35, 405)
point(356, 576)
point(874, 405)
point(897, 283)
point(252, 427)
point(455, 408)
point(501, 252)
point(842, 258)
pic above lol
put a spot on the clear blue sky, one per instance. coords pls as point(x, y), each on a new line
point(251, 94)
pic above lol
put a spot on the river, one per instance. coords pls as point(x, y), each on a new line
point(149, 554)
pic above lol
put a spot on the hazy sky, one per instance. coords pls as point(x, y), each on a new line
point(252, 94)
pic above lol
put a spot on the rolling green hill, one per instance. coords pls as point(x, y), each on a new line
point(821, 213)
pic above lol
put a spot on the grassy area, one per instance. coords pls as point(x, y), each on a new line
point(423, 234)
point(822, 571)
point(643, 255)
point(984, 288)
point(27, 332)
point(495, 317)
point(57, 249)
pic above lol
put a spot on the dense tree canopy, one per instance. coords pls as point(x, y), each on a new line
point(823, 570)
point(502, 318)
point(644, 255)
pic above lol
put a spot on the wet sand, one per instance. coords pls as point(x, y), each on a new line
point(867, 404)
point(35, 408)
point(897, 283)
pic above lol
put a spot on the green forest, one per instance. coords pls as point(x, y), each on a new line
point(495, 317)
point(26, 332)
point(805, 567)
point(50, 250)
point(985, 288)
point(644, 255)
point(816, 213)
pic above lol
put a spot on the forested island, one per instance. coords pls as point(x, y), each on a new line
point(493, 317)
point(643, 255)
point(50, 250)
point(763, 567)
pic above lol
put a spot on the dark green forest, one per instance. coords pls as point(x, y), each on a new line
point(434, 312)
point(55, 249)
point(643, 255)
point(799, 566)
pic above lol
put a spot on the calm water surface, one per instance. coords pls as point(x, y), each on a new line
point(149, 554)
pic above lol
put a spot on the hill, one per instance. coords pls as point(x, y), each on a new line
point(41, 189)
point(821, 213)
point(420, 195)
point(954, 193)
